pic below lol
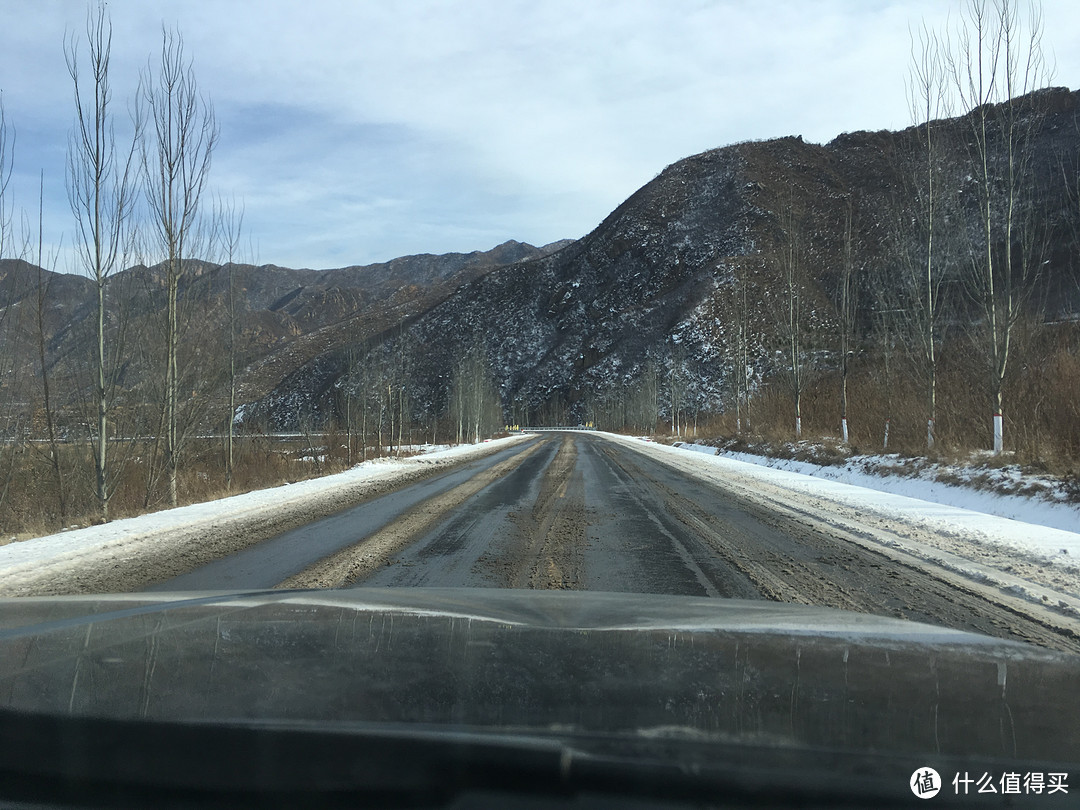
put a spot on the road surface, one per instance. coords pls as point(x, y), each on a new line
point(577, 511)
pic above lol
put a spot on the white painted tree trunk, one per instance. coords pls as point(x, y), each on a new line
point(999, 432)
point(843, 429)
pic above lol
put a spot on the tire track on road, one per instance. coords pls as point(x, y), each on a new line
point(361, 559)
point(551, 556)
point(811, 561)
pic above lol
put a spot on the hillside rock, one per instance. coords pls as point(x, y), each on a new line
point(565, 331)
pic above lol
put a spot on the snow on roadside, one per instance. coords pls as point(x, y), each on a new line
point(114, 536)
point(1030, 568)
point(1040, 511)
point(1043, 531)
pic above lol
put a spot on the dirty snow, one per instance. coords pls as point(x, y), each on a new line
point(121, 539)
point(1030, 558)
point(1025, 566)
point(1042, 508)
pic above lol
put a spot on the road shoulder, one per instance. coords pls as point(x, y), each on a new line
point(128, 555)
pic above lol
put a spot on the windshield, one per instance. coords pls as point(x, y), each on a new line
point(757, 430)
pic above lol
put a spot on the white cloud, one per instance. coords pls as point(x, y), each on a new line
point(362, 130)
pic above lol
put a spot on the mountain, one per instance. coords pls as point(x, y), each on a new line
point(633, 303)
point(285, 317)
point(318, 310)
point(640, 313)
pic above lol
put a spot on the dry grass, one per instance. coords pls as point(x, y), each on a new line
point(1042, 434)
point(1042, 410)
point(31, 505)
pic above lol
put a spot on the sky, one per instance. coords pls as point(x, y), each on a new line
point(356, 131)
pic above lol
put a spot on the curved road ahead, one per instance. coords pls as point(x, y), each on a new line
point(575, 510)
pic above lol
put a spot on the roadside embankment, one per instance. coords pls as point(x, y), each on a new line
point(130, 554)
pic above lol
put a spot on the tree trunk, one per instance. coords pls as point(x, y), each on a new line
point(171, 383)
point(401, 417)
point(176, 164)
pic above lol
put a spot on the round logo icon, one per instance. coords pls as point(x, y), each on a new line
point(925, 783)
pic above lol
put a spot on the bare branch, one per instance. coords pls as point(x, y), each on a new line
point(176, 154)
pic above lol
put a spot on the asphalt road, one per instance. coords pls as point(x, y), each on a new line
point(576, 511)
point(269, 563)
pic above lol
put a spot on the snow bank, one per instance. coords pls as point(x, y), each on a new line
point(1026, 508)
point(1034, 527)
point(120, 536)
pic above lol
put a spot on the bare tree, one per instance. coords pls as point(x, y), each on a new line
point(348, 390)
point(743, 368)
point(358, 386)
point(390, 411)
point(846, 312)
point(475, 404)
point(721, 330)
point(997, 58)
point(181, 134)
point(792, 304)
point(7, 151)
point(401, 374)
point(924, 259)
point(9, 322)
point(43, 284)
point(1069, 165)
point(885, 334)
point(101, 191)
point(733, 331)
point(676, 386)
point(229, 219)
point(646, 408)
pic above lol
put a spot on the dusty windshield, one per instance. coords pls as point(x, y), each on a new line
point(334, 339)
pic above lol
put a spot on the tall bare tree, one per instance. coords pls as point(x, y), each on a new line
point(720, 327)
point(7, 151)
point(474, 398)
point(229, 219)
point(997, 59)
point(44, 282)
point(885, 337)
point(349, 385)
point(676, 386)
point(1070, 173)
point(743, 369)
point(101, 191)
point(9, 331)
point(177, 147)
point(792, 304)
point(846, 312)
point(9, 321)
point(922, 253)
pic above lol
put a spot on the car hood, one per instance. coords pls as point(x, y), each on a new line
point(542, 662)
